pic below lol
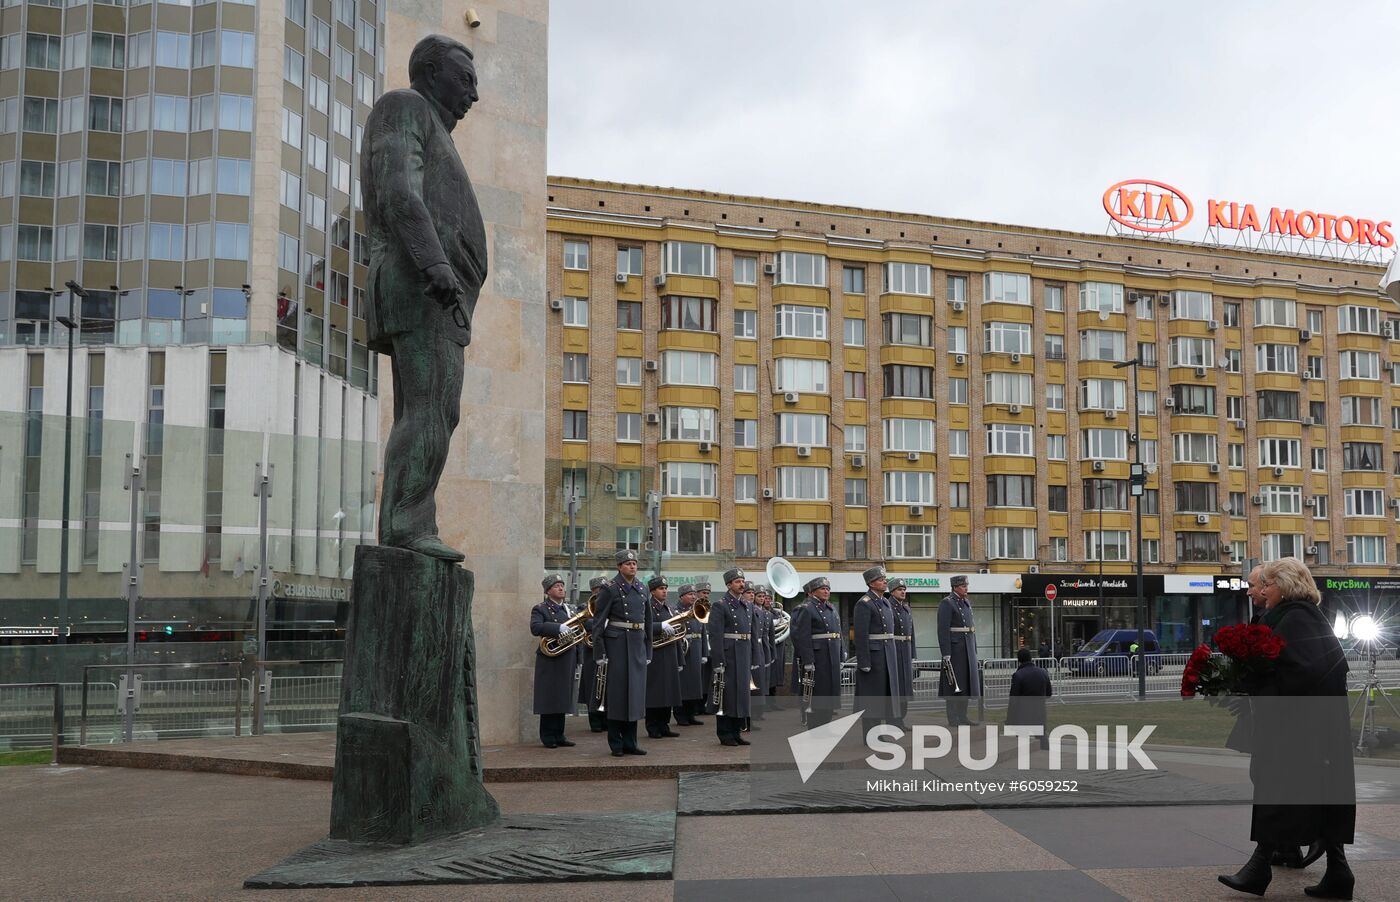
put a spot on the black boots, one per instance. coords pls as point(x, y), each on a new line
point(1338, 882)
point(1254, 877)
point(1313, 854)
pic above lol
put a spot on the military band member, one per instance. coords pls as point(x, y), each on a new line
point(622, 637)
point(957, 640)
point(588, 672)
point(554, 676)
point(663, 673)
point(761, 622)
point(878, 676)
point(696, 654)
point(818, 649)
point(779, 649)
point(731, 646)
point(904, 645)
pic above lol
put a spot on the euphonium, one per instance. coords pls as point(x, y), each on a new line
point(554, 646)
point(699, 612)
point(782, 622)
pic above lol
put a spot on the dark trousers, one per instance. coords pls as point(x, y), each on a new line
point(658, 721)
point(596, 721)
point(551, 728)
point(688, 710)
point(957, 709)
point(728, 727)
point(622, 734)
point(818, 717)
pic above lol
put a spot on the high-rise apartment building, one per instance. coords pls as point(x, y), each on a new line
point(194, 168)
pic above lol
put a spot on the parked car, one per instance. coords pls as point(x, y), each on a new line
point(1109, 654)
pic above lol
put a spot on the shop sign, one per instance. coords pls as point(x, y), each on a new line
point(309, 591)
point(33, 632)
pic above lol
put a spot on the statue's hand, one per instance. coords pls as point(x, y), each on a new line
point(442, 283)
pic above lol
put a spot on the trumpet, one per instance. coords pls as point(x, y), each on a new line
point(699, 612)
point(554, 646)
point(600, 686)
point(809, 686)
point(717, 691)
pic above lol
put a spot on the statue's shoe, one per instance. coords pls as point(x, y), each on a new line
point(432, 546)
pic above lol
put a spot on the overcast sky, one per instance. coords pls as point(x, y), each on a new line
point(1008, 112)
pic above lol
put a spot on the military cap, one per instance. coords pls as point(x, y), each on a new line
point(732, 574)
point(623, 556)
point(550, 581)
point(702, 586)
point(685, 589)
point(820, 582)
point(657, 582)
point(957, 581)
point(873, 574)
point(597, 581)
point(897, 584)
point(749, 586)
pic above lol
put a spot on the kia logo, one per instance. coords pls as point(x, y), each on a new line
point(1148, 206)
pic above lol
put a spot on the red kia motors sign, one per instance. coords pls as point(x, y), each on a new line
point(1148, 206)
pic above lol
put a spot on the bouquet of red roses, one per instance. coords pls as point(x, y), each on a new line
point(1249, 650)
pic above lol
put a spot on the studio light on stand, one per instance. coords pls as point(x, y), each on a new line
point(1365, 629)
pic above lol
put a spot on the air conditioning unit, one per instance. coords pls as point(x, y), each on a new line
point(609, 488)
point(767, 493)
point(1032, 568)
point(791, 397)
point(1238, 424)
point(959, 306)
point(1202, 519)
point(1388, 329)
point(858, 462)
point(1311, 549)
point(1310, 421)
point(1306, 376)
point(649, 366)
point(1013, 408)
point(1169, 403)
point(1305, 335)
point(1213, 325)
point(556, 304)
point(1110, 414)
point(705, 447)
point(1388, 366)
point(912, 456)
point(1310, 501)
point(1256, 500)
point(1215, 468)
point(622, 278)
point(1015, 358)
point(1225, 548)
point(984, 570)
point(1200, 372)
point(1097, 466)
point(916, 510)
point(653, 419)
point(804, 450)
point(659, 281)
point(1395, 502)
point(959, 359)
point(769, 269)
point(1132, 438)
point(1278, 471)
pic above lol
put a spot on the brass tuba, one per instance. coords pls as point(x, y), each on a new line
point(554, 646)
point(699, 612)
point(782, 622)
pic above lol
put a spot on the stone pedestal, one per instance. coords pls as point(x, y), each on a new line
point(407, 760)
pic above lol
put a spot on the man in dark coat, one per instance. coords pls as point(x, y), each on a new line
point(588, 672)
point(554, 676)
point(622, 639)
point(904, 646)
point(878, 676)
point(695, 652)
point(732, 648)
point(779, 647)
point(957, 640)
point(762, 627)
point(427, 263)
point(663, 673)
point(818, 649)
point(1030, 687)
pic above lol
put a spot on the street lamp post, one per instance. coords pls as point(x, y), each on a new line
point(1136, 482)
point(71, 324)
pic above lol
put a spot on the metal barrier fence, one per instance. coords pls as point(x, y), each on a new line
point(18, 714)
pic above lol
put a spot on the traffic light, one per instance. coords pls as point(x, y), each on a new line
point(169, 630)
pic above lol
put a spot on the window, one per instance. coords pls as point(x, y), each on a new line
point(1107, 545)
point(1011, 491)
point(1010, 439)
point(1059, 549)
point(1364, 502)
point(100, 242)
point(1235, 451)
point(746, 542)
point(1147, 353)
point(34, 243)
point(236, 113)
point(801, 269)
point(1184, 350)
point(41, 115)
point(1275, 312)
point(688, 258)
point(1359, 456)
point(908, 435)
point(746, 433)
point(1237, 551)
point(236, 48)
point(689, 314)
point(1054, 347)
point(1100, 344)
point(36, 179)
point(1282, 499)
point(802, 483)
point(853, 280)
point(172, 50)
point(1147, 403)
point(957, 288)
point(857, 494)
point(1194, 399)
point(745, 271)
point(575, 425)
point(576, 367)
point(801, 375)
point(293, 66)
point(957, 390)
point(576, 255)
point(288, 252)
point(802, 429)
point(908, 278)
point(908, 329)
point(905, 541)
point(1359, 410)
point(1359, 364)
point(745, 324)
point(1280, 452)
point(958, 495)
point(234, 176)
point(1195, 497)
point(745, 377)
point(344, 63)
point(296, 11)
point(1315, 321)
point(1103, 394)
point(1276, 358)
point(629, 369)
point(854, 332)
point(1197, 547)
point(1006, 338)
point(690, 536)
point(1142, 304)
point(957, 443)
point(1106, 494)
point(688, 480)
point(1191, 305)
point(1366, 549)
point(957, 339)
point(104, 178)
point(575, 311)
point(42, 51)
point(291, 128)
point(745, 487)
point(230, 241)
point(1055, 447)
point(1230, 313)
point(1008, 388)
point(1011, 543)
point(802, 539)
point(1006, 288)
point(1361, 320)
point(1237, 504)
point(104, 114)
point(629, 427)
point(290, 189)
point(688, 424)
point(1278, 405)
point(903, 381)
point(960, 546)
point(855, 439)
point(688, 368)
point(629, 315)
point(1055, 298)
point(1104, 444)
point(856, 546)
point(1232, 360)
point(1101, 296)
point(801, 322)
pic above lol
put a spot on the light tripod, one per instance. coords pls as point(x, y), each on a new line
point(1368, 737)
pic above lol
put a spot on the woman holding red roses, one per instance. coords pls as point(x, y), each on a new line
point(1304, 782)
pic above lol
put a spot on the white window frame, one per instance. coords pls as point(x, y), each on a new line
point(908, 278)
point(905, 434)
point(1000, 544)
point(688, 258)
point(1010, 440)
point(795, 268)
point(1006, 288)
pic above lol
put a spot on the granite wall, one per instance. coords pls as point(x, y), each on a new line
point(491, 499)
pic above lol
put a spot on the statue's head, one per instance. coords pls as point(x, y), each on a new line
point(442, 68)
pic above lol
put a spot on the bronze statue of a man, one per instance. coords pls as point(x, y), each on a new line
point(427, 263)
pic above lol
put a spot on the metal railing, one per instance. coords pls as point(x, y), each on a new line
point(12, 713)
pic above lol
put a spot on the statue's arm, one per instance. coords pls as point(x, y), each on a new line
point(397, 151)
